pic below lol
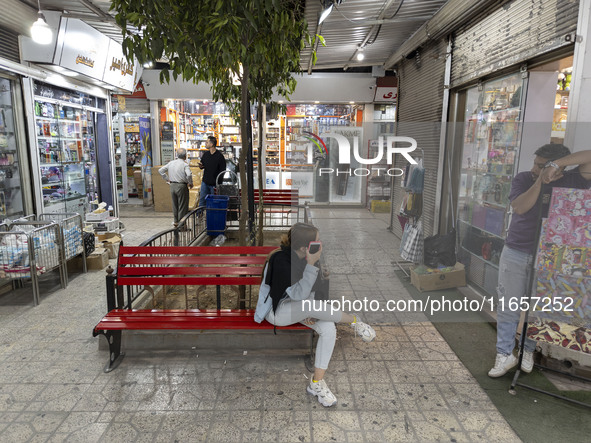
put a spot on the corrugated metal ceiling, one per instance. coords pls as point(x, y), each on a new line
point(352, 23)
point(357, 22)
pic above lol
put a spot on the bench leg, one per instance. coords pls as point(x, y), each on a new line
point(309, 359)
point(115, 354)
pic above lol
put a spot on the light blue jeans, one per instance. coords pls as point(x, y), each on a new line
point(514, 272)
point(204, 191)
point(291, 311)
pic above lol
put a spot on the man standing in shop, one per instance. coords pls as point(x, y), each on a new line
point(178, 175)
point(212, 163)
point(530, 199)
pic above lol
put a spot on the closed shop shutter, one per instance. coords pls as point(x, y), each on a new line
point(9, 45)
point(137, 106)
point(512, 34)
point(420, 105)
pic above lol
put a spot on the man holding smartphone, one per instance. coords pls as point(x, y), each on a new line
point(212, 163)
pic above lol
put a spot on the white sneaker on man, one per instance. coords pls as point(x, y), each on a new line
point(365, 331)
point(320, 390)
point(527, 363)
point(503, 363)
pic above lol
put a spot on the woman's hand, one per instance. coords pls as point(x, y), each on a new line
point(313, 258)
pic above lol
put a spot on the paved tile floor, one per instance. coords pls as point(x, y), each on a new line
point(407, 385)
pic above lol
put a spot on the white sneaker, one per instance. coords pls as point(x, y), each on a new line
point(502, 365)
point(527, 363)
point(365, 331)
point(320, 390)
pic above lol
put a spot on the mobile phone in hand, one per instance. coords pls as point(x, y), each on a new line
point(314, 247)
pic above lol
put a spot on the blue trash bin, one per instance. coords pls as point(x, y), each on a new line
point(216, 207)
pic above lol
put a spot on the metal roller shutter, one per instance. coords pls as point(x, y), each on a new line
point(420, 106)
point(9, 45)
point(518, 31)
point(137, 106)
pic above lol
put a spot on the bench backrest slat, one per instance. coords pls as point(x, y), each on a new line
point(190, 260)
point(153, 271)
point(201, 250)
point(172, 281)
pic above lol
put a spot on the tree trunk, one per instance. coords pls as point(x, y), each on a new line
point(260, 234)
point(244, 118)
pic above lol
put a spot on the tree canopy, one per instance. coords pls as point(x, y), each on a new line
point(257, 41)
point(206, 40)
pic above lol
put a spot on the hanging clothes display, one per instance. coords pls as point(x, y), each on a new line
point(411, 244)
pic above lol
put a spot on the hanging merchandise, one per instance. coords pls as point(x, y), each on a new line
point(563, 277)
point(411, 246)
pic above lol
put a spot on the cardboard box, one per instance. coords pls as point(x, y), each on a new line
point(110, 241)
point(380, 206)
point(137, 177)
point(161, 190)
point(75, 264)
point(98, 260)
point(442, 280)
point(111, 237)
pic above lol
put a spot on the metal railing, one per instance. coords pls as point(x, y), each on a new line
point(191, 228)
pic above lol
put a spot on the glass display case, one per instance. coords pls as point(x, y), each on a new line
point(11, 195)
point(66, 145)
point(492, 137)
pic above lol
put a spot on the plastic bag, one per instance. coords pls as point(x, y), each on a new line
point(219, 240)
point(440, 250)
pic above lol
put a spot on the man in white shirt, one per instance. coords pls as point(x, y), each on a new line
point(178, 175)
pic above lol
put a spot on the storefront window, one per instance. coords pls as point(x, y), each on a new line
point(491, 143)
point(11, 195)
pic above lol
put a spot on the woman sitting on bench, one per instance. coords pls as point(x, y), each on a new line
point(286, 297)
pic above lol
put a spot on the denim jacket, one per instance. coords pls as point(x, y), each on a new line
point(299, 291)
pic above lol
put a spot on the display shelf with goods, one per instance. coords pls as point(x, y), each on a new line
point(561, 106)
point(273, 142)
point(11, 198)
point(120, 156)
point(491, 139)
point(378, 181)
point(133, 155)
point(191, 122)
point(67, 160)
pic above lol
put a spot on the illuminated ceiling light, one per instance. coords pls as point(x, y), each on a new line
point(40, 31)
point(148, 65)
point(360, 54)
point(351, 103)
point(326, 12)
point(316, 102)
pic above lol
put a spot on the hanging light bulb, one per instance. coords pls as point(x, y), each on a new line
point(40, 31)
point(360, 54)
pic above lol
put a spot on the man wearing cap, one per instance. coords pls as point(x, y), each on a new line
point(178, 175)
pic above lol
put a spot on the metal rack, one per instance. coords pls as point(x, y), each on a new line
point(72, 233)
point(30, 248)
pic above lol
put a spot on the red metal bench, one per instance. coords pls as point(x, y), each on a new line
point(149, 266)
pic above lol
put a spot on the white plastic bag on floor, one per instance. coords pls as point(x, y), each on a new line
point(219, 240)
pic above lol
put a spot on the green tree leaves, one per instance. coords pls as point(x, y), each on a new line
point(207, 40)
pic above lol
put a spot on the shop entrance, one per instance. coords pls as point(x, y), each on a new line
point(498, 126)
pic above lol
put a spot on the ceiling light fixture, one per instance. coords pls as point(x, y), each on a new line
point(327, 5)
point(40, 31)
point(360, 54)
point(148, 65)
